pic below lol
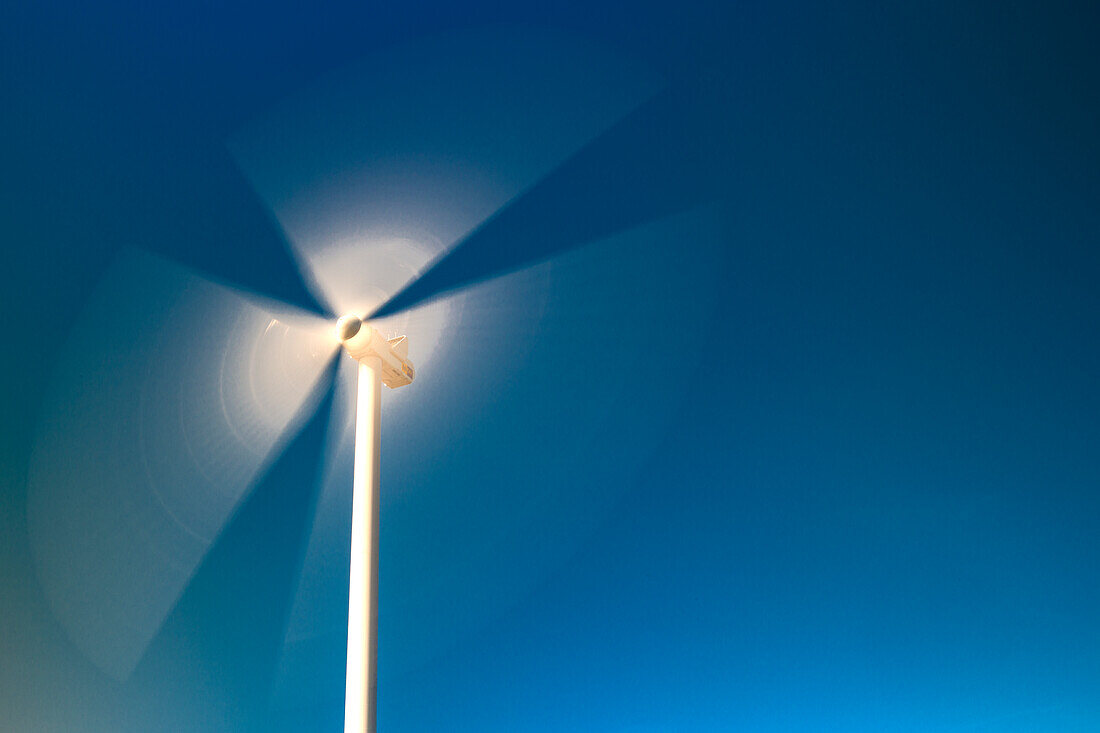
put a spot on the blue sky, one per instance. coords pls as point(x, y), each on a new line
point(797, 433)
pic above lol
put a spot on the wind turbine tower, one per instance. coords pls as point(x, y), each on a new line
point(381, 361)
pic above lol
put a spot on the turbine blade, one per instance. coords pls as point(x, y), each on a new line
point(320, 600)
point(244, 243)
point(172, 396)
point(656, 162)
point(414, 147)
point(218, 647)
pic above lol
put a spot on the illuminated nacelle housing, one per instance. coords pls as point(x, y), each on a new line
point(362, 340)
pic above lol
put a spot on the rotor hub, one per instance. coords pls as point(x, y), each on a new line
point(348, 326)
point(362, 341)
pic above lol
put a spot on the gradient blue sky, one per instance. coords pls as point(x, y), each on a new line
point(830, 461)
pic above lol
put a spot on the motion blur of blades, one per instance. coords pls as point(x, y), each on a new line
point(171, 397)
point(620, 180)
point(415, 147)
point(319, 609)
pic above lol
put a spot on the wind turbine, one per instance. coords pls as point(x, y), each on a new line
point(190, 389)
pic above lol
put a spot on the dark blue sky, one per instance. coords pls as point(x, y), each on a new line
point(799, 432)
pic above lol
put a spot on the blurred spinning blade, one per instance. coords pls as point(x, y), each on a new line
point(418, 145)
point(658, 161)
point(172, 397)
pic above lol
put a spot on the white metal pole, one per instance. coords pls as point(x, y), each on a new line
point(361, 689)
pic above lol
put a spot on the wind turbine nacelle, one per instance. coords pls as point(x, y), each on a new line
point(363, 341)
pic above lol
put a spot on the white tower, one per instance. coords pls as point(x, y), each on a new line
point(381, 361)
